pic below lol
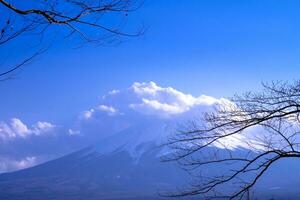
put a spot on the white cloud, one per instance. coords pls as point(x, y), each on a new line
point(42, 127)
point(8, 164)
point(144, 103)
point(26, 162)
point(112, 92)
point(108, 109)
point(72, 132)
point(166, 101)
point(140, 104)
point(87, 114)
point(154, 105)
point(150, 99)
point(17, 129)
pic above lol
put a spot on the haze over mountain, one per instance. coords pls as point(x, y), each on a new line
point(120, 155)
point(24, 145)
point(89, 123)
point(129, 127)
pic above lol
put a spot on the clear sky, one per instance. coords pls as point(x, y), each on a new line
point(211, 47)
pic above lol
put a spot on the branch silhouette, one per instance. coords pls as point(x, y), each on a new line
point(84, 21)
point(266, 126)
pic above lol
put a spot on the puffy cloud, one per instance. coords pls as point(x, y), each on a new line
point(154, 105)
point(118, 110)
point(141, 103)
point(23, 145)
point(44, 126)
point(150, 99)
point(8, 164)
point(166, 101)
point(87, 114)
point(108, 109)
point(17, 129)
point(146, 103)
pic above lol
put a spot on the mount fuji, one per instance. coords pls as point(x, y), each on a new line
point(124, 159)
point(126, 165)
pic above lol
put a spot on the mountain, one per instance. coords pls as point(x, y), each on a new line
point(127, 166)
point(89, 175)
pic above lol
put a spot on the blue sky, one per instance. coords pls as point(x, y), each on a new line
point(211, 47)
point(55, 105)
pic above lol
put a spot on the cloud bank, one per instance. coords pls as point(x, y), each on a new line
point(25, 145)
point(20, 144)
point(145, 103)
point(150, 99)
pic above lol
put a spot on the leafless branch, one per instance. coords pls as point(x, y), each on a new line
point(87, 21)
point(267, 126)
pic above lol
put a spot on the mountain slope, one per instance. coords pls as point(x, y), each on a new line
point(127, 166)
point(123, 166)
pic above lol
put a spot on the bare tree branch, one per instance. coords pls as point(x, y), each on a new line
point(91, 21)
point(267, 127)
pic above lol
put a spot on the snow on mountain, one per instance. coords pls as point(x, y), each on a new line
point(127, 129)
point(145, 113)
point(120, 109)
